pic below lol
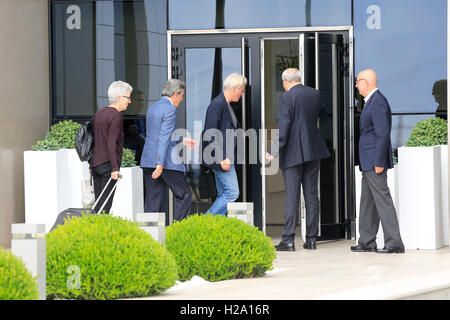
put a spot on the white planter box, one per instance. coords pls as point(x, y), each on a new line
point(52, 184)
point(45, 196)
point(241, 210)
point(392, 181)
point(420, 201)
point(129, 196)
point(444, 188)
point(154, 223)
point(75, 171)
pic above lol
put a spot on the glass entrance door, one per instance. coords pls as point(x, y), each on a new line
point(203, 60)
point(203, 64)
point(318, 56)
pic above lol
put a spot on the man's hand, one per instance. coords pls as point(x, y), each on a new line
point(158, 171)
point(115, 175)
point(269, 156)
point(226, 164)
point(191, 143)
point(379, 170)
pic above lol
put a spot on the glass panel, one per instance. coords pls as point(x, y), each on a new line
point(278, 55)
point(408, 67)
point(95, 43)
point(205, 71)
point(208, 14)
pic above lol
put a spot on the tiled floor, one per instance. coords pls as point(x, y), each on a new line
point(332, 272)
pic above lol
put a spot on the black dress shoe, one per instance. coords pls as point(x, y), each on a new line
point(360, 248)
point(391, 250)
point(311, 245)
point(285, 246)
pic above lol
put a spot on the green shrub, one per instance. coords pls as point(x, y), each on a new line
point(64, 133)
point(16, 282)
point(46, 144)
point(128, 159)
point(427, 133)
point(218, 248)
point(106, 257)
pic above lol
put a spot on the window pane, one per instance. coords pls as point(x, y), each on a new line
point(96, 43)
point(209, 14)
point(405, 42)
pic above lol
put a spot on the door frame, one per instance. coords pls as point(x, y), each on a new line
point(349, 202)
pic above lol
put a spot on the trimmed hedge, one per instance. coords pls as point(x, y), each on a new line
point(427, 133)
point(218, 248)
point(106, 257)
point(16, 282)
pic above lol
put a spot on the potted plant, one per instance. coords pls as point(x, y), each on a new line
point(75, 171)
point(129, 197)
point(420, 186)
point(53, 175)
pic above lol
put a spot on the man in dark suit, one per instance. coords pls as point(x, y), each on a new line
point(375, 157)
point(301, 147)
point(159, 161)
point(218, 149)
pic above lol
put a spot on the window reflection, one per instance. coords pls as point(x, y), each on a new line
point(115, 40)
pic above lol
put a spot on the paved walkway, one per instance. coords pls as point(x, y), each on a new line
point(333, 272)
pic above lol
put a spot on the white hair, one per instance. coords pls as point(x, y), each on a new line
point(171, 87)
point(234, 80)
point(292, 74)
point(118, 88)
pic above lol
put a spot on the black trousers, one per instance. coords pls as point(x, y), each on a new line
point(306, 175)
point(176, 181)
point(101, 175)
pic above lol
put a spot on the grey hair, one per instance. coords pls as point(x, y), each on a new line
point(171, 87)
point(292, 74)
point(234, 80)
point(118, 88)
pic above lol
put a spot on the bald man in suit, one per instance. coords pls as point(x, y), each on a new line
point(375, 158)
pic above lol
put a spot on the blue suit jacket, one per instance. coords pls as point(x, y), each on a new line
point(218, 117)
point(375, 122)
point(161, 122)
point(299, 137)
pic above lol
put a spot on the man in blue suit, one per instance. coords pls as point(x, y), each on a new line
point(375, 158)
point(218, 148)
point(301, 147)
point(160, 164)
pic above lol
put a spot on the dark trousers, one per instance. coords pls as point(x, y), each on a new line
point(377, 205)
point(101, 175)
point(306, 175)
point(176, 181)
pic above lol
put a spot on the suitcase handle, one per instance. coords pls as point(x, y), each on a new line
point(107, 198)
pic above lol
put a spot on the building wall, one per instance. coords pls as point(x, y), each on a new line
point(24, 103)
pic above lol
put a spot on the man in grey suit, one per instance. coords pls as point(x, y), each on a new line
point(375, 157)
point(301, 147)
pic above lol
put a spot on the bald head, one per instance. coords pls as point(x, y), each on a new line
point(366, 81)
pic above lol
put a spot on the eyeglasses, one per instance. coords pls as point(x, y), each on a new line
point(126, 97)
point(359, 80)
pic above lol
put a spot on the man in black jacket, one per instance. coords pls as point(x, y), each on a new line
point(219, 154)
point(300, 146)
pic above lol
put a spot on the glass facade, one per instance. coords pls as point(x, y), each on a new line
point(404, 41)
point(210, 14)
point(97, 42)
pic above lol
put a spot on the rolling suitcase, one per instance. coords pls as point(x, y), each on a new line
point(78, 212)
